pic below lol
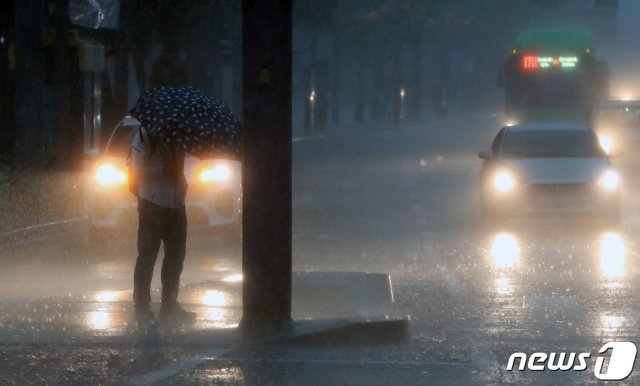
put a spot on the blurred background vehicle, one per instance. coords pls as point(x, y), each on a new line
point(552, 75)
point(214, 197)
point(549, 170)
point(617, 123)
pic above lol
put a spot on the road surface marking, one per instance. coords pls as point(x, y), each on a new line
point(39, 226)
point(217, 356)
point(178, 367)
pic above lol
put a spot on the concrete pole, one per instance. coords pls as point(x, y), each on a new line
point(266, 253)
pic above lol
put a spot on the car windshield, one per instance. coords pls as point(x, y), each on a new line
point(121, 141)
point(550, 144)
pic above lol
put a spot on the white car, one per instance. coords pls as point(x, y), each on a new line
point(548, 169)
point(214, 196)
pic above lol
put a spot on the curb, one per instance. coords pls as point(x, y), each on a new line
point(365, 331)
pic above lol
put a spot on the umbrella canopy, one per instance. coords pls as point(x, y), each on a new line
point(191, 120)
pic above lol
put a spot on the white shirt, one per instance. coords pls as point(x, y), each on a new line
point(149, 164)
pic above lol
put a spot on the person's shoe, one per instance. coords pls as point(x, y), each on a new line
point(174, 311)
point(144, 314)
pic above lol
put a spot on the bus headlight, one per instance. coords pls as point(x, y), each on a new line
point(504, 182)
point(610, 180)
point(218, 173)
point(109, 175)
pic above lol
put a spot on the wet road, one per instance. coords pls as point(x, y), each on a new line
point(402, 202)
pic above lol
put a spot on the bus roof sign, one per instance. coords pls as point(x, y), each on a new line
point(554, 41)
point(533, 62)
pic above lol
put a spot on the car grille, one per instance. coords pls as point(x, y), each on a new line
point(568, 196)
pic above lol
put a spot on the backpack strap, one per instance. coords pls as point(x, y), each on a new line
point(153, 145)
point(132, 180)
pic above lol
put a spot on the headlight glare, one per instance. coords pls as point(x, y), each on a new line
point(108, 175)
point(504, 182)
point(218, 173)
point(606, 142)
point(610, 180)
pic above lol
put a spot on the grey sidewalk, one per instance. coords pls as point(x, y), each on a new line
point(333, 301)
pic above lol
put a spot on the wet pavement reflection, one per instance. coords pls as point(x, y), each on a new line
point(475, 294)
point(612, 256)
point(557, 286)
point(505, 251)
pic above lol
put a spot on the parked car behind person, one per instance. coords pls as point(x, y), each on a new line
point(214, 197)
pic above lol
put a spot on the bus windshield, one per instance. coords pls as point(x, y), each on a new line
point(551, 90)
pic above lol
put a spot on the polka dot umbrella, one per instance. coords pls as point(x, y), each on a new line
point(191, 120)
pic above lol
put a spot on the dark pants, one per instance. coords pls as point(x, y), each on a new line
point(169, 226)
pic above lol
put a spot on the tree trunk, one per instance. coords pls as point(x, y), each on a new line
point(414, 103)
point(237, 59)
point(396, 85)
point(311, 106)
point(61, 85)
point(336, 81)
point(122, 47)
point(29, 82)
point(378, 97)
point(359, 110)
point(7, 84)
point(140, 37)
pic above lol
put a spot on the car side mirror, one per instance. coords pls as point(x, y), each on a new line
point(486, 155)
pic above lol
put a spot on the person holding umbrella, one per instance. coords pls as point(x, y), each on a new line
point(173, 121)
point(162, 218)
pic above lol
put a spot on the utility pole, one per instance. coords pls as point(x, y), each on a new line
point(266, 181)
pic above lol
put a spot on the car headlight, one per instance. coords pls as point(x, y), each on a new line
point(610, 180)
point(606, 142)
point(504, 182)
point(108, 175)
point(218, 173)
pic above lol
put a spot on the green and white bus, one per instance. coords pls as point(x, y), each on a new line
point(552, 75)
